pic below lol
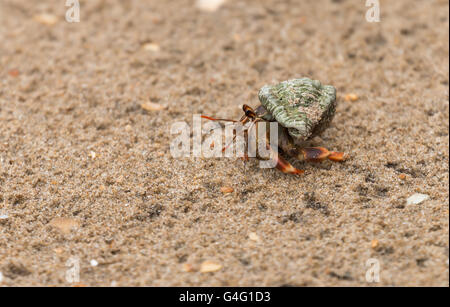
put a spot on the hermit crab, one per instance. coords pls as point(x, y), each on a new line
point(303, 108)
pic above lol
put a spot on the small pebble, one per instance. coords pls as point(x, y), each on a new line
point(209, 5)
point(152, 47)
point(1, 276)
point(150, 106)
point(254, 237)
point(226, 190)
point(4, 217)
point(64, 224)
point(92, 154)
point(416, 199)
point(210, 266)
point(187, 267)
point(402, 176)
point(351, 97)
point(46, 19)
point(94, 262)
point(374, 243)
point(13, 73)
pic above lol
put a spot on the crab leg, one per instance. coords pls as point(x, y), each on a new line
point(281, 164)
point(286, 167)
point(318, 154)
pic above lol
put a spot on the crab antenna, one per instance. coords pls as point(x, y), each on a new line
point(219, 119)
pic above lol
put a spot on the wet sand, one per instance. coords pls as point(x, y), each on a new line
point(86, 173)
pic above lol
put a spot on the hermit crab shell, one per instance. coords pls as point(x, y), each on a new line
point(304, 106)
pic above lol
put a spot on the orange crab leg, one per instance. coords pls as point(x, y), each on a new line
point(281, 164)
point(318, 154)
point(336, 156)
point(286, 167)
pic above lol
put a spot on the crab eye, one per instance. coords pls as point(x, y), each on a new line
point(246, 108)
point(248, 111)
point(250, 114)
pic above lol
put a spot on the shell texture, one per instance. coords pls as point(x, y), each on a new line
point(304, 106)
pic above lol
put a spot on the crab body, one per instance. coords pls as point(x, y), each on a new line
point(303, 108)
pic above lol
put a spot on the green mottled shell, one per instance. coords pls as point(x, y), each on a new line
point(304, 106)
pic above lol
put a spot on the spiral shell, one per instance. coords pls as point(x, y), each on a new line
point(304, 106)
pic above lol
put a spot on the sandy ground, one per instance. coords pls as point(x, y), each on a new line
point(76, 144)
